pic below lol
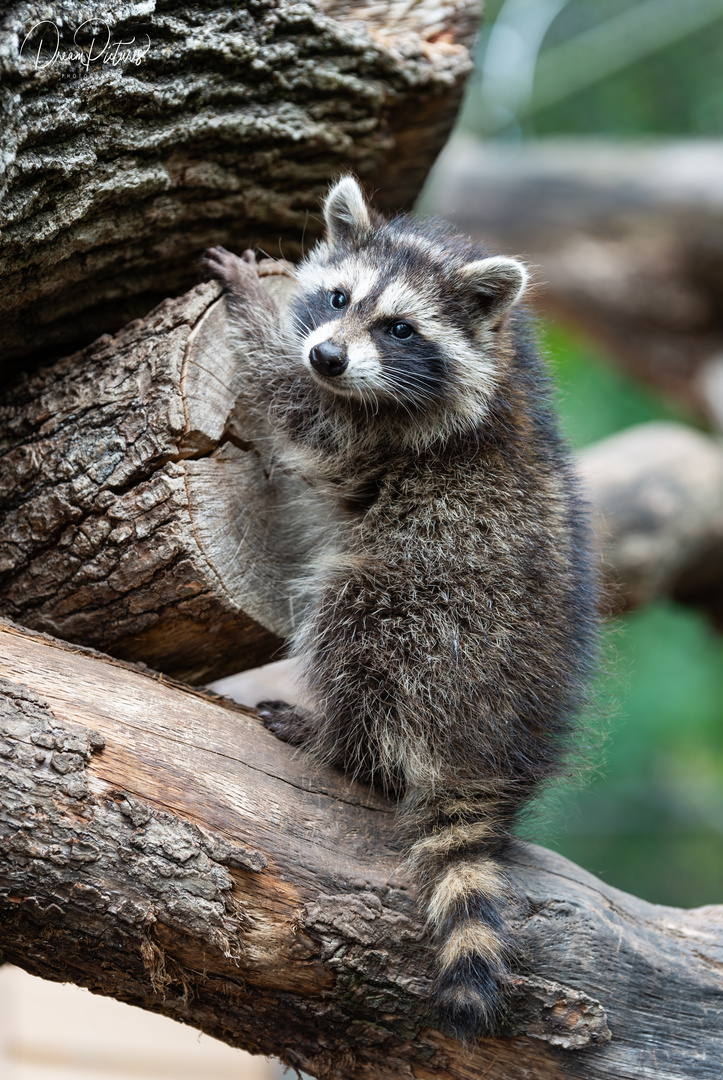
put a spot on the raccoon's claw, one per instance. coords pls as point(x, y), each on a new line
point(237, 274)
point(284, 721)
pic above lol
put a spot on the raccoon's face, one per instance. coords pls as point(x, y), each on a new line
point(393, 316)
point(368, 338)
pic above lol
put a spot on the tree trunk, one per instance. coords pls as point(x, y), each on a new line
point(132, 142)
point(627, 239)
point(158, 845)
point(136, 518)
point(141, 517)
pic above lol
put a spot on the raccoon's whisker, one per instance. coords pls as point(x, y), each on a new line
point(303, 233)
point(368, 395)
point(399, 390)
point(272, 258)
point(364, 398)
point(301, 325)
point(398, 399)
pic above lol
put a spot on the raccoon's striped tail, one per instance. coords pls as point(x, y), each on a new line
point(458, 865)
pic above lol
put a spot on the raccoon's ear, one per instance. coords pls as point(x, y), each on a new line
point(345, 210)
point(496, 283)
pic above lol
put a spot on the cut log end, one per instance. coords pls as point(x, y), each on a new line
point(140, 516)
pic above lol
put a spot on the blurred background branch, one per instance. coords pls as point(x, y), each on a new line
point(627, 243)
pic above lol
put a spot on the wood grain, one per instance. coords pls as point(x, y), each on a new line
point(183, 860)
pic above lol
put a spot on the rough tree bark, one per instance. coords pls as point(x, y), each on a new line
point(160, 846)
point(132, 143)
point(140, 516)
point(136, 514)
point(628, 239)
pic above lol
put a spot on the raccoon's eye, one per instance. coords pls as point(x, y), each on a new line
point(401, 330)
point(338, 299)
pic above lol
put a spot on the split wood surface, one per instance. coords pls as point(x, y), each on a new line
point(628, 242)
point(159, 846)
point(220, 123)
point(140, 515)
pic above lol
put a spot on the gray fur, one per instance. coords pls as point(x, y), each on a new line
point(448, 630)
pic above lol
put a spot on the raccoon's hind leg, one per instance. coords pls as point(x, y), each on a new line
point(289, 723)
point(458, 862)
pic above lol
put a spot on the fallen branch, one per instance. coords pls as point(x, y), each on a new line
point(159, 846)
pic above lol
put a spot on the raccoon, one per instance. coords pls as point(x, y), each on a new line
point(449, 630)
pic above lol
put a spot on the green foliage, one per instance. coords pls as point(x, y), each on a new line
point(670, 90)
point(596, 398)
point(674, 91)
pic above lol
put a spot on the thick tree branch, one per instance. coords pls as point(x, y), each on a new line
point(217, 123)
point(160, 846)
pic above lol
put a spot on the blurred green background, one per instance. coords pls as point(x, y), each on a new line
point(648, 817)
point(620, 68)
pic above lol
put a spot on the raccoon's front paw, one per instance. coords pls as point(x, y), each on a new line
point(238, 275)
point(285, 721)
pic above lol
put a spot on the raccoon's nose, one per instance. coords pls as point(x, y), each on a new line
point(328, 359)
